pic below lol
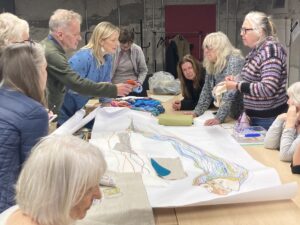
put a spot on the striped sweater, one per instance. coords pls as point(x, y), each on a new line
point(264, 80)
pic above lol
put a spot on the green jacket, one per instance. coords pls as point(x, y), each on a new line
point(60, 76)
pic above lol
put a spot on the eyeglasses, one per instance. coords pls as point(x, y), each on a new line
point(245, 30)
point(29, 41)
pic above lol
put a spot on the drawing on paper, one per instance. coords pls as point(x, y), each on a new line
point(219, 175)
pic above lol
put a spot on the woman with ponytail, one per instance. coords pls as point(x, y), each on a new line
point(264, 74)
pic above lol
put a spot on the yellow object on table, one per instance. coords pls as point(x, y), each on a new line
point(175, 120)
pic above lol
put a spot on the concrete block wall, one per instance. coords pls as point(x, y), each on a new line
point(230, 15)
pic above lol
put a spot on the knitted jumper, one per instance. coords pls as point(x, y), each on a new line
point(264, 80)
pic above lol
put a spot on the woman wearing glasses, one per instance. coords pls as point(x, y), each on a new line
point(264, 74)
point(24, 119)
point(220, 60)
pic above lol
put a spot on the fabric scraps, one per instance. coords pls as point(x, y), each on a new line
point(140, 104)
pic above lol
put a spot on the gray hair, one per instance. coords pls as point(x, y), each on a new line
point(61, 18)
point(294, 92)
point(11, 29)
point(219, 42)
point(260, 21)
point(56, 176)
point(14, 59)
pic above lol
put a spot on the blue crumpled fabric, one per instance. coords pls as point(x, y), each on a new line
point(146, 104)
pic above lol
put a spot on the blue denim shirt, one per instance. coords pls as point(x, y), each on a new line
point(87, 66)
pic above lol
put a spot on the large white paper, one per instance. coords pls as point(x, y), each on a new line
point(76, 122)
point(219, 170)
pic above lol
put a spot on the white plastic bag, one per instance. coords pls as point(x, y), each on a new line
point(164, 83)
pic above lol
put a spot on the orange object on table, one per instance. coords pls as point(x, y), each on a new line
point(132, 82)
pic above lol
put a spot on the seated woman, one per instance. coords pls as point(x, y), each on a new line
point(58, 183)
point(220, 60)
point(24, 119)
point(264, 74)
point(191, 75)
point(129, 62)
point(283, 134)
point(93, 61)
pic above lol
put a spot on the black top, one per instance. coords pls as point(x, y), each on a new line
point(191, 102)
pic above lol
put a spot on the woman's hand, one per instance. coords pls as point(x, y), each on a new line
point(176, 105)
point(292, 117)
point(229, 78)
point(282, 116)
point(212, 122)
point(191, 113)
point(230, 85)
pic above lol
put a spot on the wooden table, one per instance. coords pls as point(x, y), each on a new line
point(265, 213)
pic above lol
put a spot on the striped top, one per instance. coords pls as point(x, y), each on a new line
point(264, 80)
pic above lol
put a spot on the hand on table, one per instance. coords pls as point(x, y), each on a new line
point(176, 105)
point(211, 122)
point(191, 113)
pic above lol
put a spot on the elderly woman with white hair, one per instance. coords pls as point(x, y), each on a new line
point(12, 29)
point(283, 134)
point(220, 60)
point(264, 74)
point(58, 183)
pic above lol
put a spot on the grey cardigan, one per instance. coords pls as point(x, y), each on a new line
point(138, 61)
point(284, 139)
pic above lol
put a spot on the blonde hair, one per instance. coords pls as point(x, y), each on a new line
point(219, 43)
point(260, 21)
point(294, 92)
point(56, 176)
point(12, 29)
point(61, 19)
point(101, 32)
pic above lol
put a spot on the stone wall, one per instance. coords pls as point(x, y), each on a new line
point(230, 14)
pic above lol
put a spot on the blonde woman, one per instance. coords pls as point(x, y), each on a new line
point(58, 183)
point(220, 60)
point(264, 74)
point(283, 134)
point(93, 62)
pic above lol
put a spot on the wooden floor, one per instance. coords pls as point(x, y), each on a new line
point(265, 213)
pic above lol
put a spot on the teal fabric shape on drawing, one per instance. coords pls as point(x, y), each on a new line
point(160, 170)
